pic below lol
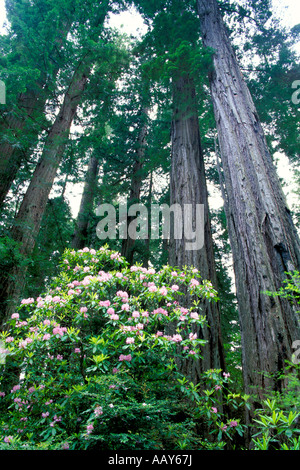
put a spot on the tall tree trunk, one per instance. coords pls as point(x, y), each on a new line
point(188, 186)
point(27, 222)
point(86, 205)
point(263, 238)
point(24, 120)
point(136, 183)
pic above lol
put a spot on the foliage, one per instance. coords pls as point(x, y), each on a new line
point(97, 362)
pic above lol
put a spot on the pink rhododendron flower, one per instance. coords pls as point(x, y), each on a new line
point(194, 282)
point(192, 336)
point(110, 311)
point(98, 411)
point(15, 315)
point(83, 310)
point(125, 358)
point(194, 315)
point(214, 410)
point(163, 290)
point(233, 424)
point(175, 288)
point(152, 289)
point(129, 340)
point(177, 338)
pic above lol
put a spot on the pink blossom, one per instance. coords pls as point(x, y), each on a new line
point(125, 358)
point(111, 311)
point(152, 289)
point(44, 415)
point(194, 315)
point(175, 288)
point(77, 350)
point(15, 315)
point(9, 339)
point(27, 301)
point(46, 322)
point(114, 316)
point(194, 282)
point(83, 309)
point(233, 424)
point(177, 338)
point(98, 410)
point(46, 337)
point(135, 314)
point(214, 410)
point(125, 307)
point(193, 336)
point(163, 290)
point(129, 340)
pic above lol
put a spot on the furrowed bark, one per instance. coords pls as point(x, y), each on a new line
point(136, 183)
point(188, 186)
point(263, 237)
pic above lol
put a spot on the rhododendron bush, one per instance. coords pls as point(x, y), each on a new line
point(93, 362)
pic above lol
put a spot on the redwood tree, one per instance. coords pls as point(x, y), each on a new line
point(263, 238)
point(188, 186)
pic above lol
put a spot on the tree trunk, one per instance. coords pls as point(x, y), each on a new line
point(86, 205)
point(136, 183)
point(188, 186)
point(24, 121)
point(263, 238)
point(27, 222)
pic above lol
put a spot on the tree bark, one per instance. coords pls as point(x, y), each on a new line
point(136, 183)
point(263, 238)
point(188, 186)
point(86, 205)
point(27, 222)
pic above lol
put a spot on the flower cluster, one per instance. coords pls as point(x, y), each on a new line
point(100, 325)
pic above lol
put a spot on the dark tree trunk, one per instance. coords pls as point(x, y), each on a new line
point(27, 222)
point(86, 205)
point(136, 183)
point(188, 186)
point(263, 238)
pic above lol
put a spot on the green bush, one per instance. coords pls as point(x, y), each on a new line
point(96, 358)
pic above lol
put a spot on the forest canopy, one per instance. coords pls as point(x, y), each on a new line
point(158, 309)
